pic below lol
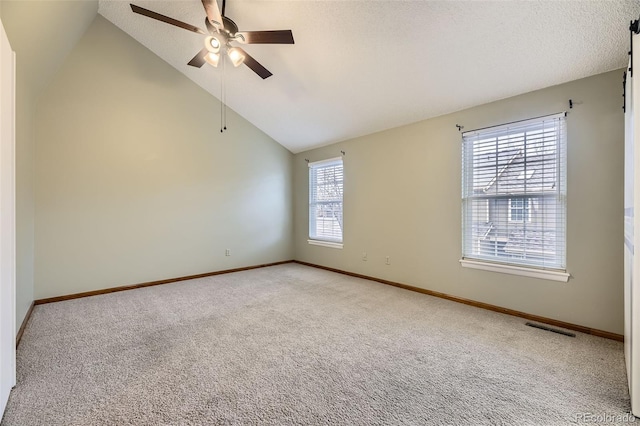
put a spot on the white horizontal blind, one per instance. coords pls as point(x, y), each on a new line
point(514, 193)
point(326, 185)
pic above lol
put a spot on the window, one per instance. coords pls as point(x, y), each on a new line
point(519, 171)
point(519, 209)
point(326, 184)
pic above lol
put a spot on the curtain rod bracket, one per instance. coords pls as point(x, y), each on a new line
point(570, 103)
point(307, 160)
point(459, 127)
point(343, 153)
point(634, 28)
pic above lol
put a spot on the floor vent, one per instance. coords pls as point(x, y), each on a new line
point(555, 330)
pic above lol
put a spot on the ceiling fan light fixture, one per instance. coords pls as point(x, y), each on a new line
point(212, 58)
point(236, 56)
point(212, 43)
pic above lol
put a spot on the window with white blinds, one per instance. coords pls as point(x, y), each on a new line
point(514, 193)
point(326, 184)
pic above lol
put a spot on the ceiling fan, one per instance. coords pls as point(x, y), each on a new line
point(221, 33)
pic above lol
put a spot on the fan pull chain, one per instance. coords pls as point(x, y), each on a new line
point(222, 97)
point(224, 74)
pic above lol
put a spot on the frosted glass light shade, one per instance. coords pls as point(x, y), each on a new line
point(212, 58)
point(236, 56)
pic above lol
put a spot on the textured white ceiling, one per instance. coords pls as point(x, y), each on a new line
point(358, 67)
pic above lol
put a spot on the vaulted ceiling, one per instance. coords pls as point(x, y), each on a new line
point(42, 33)
point(358, 67)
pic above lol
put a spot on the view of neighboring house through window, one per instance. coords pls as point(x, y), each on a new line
point(514, 193)
point(326, 184)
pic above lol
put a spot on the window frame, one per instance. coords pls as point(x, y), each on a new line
point(313, 237)
point(553, 268)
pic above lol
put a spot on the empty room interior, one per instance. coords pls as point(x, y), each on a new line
point(336, 212)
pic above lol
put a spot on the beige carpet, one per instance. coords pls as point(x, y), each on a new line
point(291, 344)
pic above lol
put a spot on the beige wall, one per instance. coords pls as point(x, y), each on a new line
point(24, 198)
point(63, 22)
point(43, 32)
point(24, 179)
point(134, 181)
point(403, 199)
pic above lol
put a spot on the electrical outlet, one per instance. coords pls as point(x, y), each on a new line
point(387, 260)
point(227, 252)
point(364, 256)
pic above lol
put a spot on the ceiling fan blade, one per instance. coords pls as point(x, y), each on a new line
point(213, 12)
point(271, 37)
point(198, 60)
point(159, 17)
point(255, 65)
point(210, 27)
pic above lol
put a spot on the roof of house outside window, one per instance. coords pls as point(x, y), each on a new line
point(514, 174)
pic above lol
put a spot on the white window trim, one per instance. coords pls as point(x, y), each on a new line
point(325, 244)
point(327, 162)
point(544, 274)
point(520, 269)
point(318, 242)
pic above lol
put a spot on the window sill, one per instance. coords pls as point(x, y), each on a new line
point(325, 244)
point(516, 270)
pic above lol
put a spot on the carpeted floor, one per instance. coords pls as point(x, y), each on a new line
point(291, 344)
